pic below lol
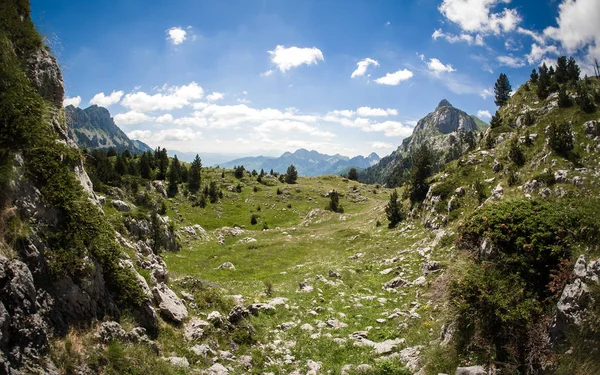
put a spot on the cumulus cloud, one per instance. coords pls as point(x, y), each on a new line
point(381, 145)
point(290, 126)
point(176, 35)
point(437, 67)
point(343, 112)
point(375, 112)
point(390, 129)
point(513, 62)
point(361, 67)
point(214, 96)
point(131, 118)
point(170, 135)
point(483, 114)
point(537, 37)
point(394, 79)
point(477, 16)
point(464, 37)
point(168, 98)
point(292, 57)
point(578, 24)
point(485, 93)
point(106, 100)
point(74, 101)
point(539, 51)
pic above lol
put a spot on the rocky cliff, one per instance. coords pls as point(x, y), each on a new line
point(448, 131)
point(93, 127)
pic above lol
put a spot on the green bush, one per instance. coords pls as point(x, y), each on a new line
point(560, 137)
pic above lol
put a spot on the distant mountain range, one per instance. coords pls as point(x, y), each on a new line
point(308, 163)
point(94, 128)
point(208, 158)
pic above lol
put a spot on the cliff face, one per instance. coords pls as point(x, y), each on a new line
point(448, 131)
point(93, 127)
point(59, 262)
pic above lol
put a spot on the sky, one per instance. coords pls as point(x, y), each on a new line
point(261, 77)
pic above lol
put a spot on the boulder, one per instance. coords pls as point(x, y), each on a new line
point(237, 314)
point(410, 357)
point(257, 308)
point(194, 329)
point(216, 318)
point(121, 206)
point(169, 304)
point(181, 362)
point(217, 369)
point(395, 283)
point(226, 266)
point(472, 370)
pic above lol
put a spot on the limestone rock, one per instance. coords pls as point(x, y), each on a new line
point(194, 329)
point(169, 304)
point(472, 370)
point(121, 206)
point(395, 283)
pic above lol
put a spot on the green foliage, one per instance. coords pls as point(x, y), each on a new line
point(334, 202)
point(502, 90)
point(239, 172)
point(585, 98)
point(564, 100)
point(560, 137)
point(534, 76)
point(502, 296)
point(561, 70)
point(391, 367)
point(573, 70)
point(496, 121)
point(162, 160)
point(515, 154)
point(353, 174)
point(393, 210)
point(422, 168)
point(480, 191)
point(444, 189)
point(173, 186)
point(543, 85)
point(254, 219)
point(291, 175)
point(194, 179)
point(546, 178)
point(213, 192)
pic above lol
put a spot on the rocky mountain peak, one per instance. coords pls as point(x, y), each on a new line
point(444, 103)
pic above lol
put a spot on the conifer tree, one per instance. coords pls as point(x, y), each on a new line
point(162, 160)
point(353, 174)
point(393, 210)
point(502, 90)
point(422, 168)
point(291, 175)
point(543, 82)
point(194, 179)
point(172, 188)
point(573, 70)
point(561, 70)
point(534, 76)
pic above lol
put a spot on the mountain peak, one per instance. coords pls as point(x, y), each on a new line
point(444, 103)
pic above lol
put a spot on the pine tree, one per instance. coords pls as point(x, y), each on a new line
point(534, 76)
point(393, 210)
point(291, 175)
point(194, 179)
point(564, 100)
point(573, 70)
point(353, 174)
point(496, 121)
point(560, 138)
point(162, 160)
point(515, 154)
point(172, 188)
point(120, 166)
point(502, 90)
point(422, 168)
point(334, 202)
point(561, 75)
point(543, 82)
point(145, 165)
point(213, 192)
point(239, 172)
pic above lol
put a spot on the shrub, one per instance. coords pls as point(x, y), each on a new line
point(334, 202)
point(353, 174)
point(393, 210)
point(529, 118)
point(515, 154)
point(547, 178)
point(253, 219)
point(480, 191)
point(560, 137)
point(564, 100)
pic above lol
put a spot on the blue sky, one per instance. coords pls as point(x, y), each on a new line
point(264, 77)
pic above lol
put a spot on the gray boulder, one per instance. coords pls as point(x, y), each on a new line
point(121, 206)
point(472, 370)
point(169, 304)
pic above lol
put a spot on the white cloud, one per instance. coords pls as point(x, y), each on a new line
point(344, 113)
point(464, 37)
point(482, 114)
point(167, 135)
point(214, 96)
point(375, 112)
point(362, 66)
point(74, 101)
point(476, 15)
point(173, 97)
point(390, 129)
point(176, 35)
point(537, 37)
point(513, 62)
point(578, 24)
point(538, 52)
point(393, 79)
point(164, 119)
point(131, 117)
point(485, 93)
point(267, 73)
point(381, 145)
point(437, 67)
point(292, 57)
point(288, 126)
point(104, 100)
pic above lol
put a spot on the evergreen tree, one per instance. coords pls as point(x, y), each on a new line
point(422, 168)
point(393, 210)
point(120, 166)
point(353, 174)
point(194, 179)
point(111, 152)
point(213, 192)
point(162, 160)
point(560, 138)
point(172, 187)
point(534, 76)
point(515, 154)
point(334, 202)
point(502, 90)
point(239, 171)
point(561, 75)
point(271, 173)
point(184, 173)
point(126, 154)
point(564, 100)
point(262, 172)
point(543, 82)
point(573, 70)
point(496, 121)
point(145, 165)
point(291, 175)
point(584, 99)
point(156, 234)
